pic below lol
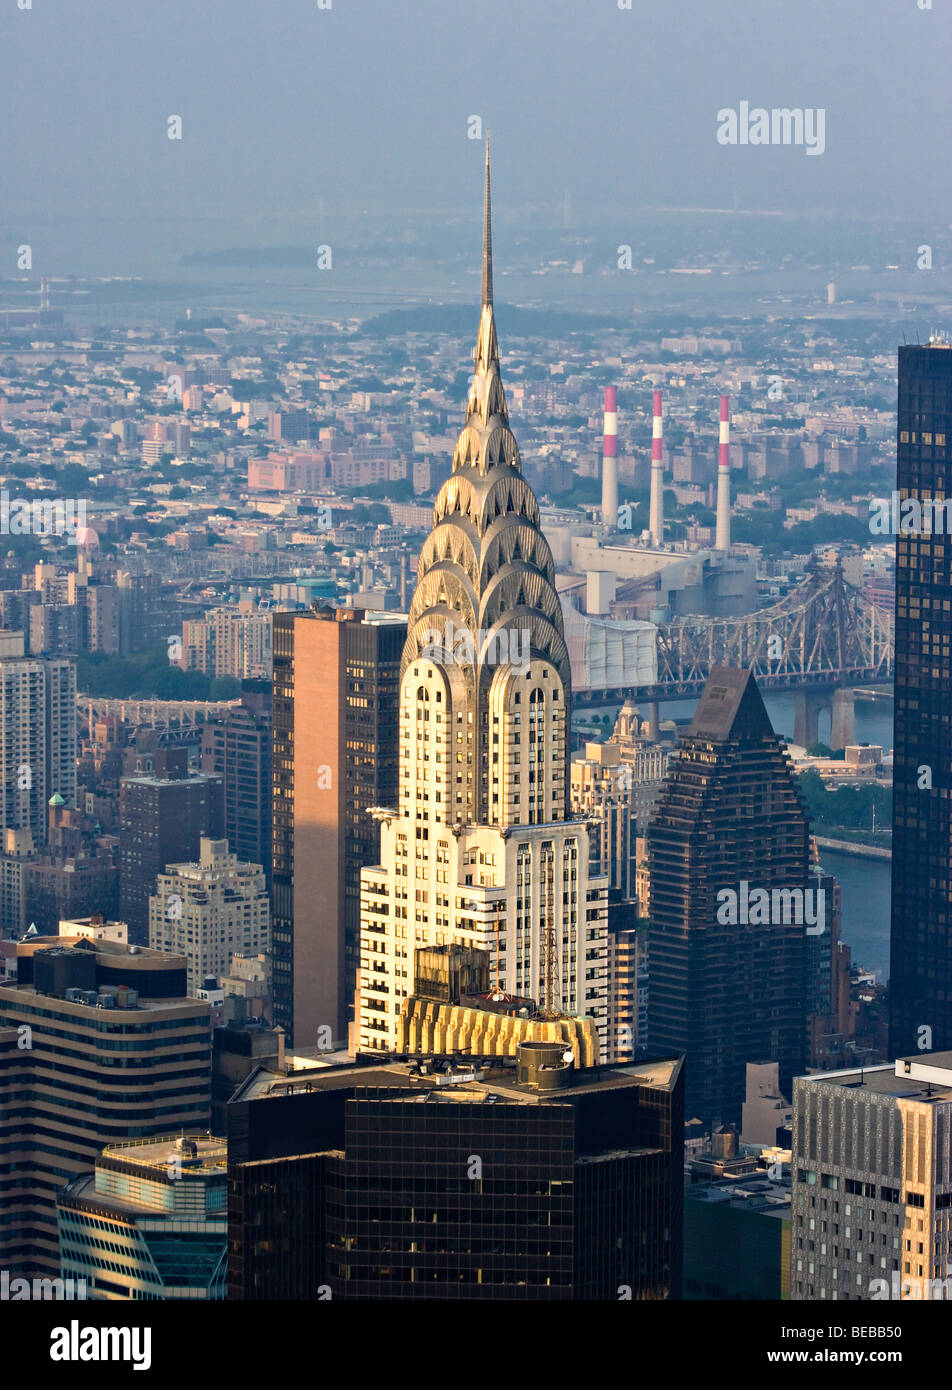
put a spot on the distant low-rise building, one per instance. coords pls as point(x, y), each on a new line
point(737, 1239)
point(95, 928)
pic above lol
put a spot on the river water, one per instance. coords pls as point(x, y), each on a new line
point(865, 882)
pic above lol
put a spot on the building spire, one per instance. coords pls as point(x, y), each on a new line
point(487, 238)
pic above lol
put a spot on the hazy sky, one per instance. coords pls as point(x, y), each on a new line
point(365, 107)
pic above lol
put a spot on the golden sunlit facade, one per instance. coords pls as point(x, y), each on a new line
point(481, 851)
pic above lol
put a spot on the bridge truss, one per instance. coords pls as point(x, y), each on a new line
point(822, 633)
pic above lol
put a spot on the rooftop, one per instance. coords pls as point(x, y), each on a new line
point(102, 947)
point(480, 1080)
point(197, 1152)
point(757, 1194)
point(926, 1077)
point(13, 990)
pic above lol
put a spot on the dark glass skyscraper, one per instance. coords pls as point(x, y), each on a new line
point(161, 821)
point(535, 1181)
point(920, 976)
point(730, 820)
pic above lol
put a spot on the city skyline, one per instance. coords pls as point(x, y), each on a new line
point(474, 675)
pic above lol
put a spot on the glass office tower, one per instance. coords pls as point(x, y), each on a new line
point(921, 944)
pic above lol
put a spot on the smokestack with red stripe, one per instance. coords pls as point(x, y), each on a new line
point(610, 461)
point(723, 535)
point(656, 511)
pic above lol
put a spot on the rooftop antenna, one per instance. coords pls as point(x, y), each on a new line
point(487, 236)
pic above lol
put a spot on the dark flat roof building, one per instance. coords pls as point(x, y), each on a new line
point(161, 821)
point(489, 1180)
point(737, 1238)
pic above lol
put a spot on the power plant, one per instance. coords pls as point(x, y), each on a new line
point(632, 576)
point(656, 511)
point(722, 540)
point(610, 461)
point(618, 589)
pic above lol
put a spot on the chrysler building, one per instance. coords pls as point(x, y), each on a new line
point(481, 851)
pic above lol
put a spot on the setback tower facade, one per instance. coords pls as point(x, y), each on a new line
point(728, 969)
point(481, 851)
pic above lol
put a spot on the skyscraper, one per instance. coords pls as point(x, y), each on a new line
point(101, 1046)
point(872, 1185)
point(920, 976)
point(728, 979)
point(37, 736)
point(539, 1181)
point(334, 757)
point(207, 911)
point(238, 750)
point(481, 850)
point(161, 821)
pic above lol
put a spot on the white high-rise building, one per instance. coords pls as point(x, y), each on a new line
point(37, 736)
point(232, 641)
point(481, 851)
point(210, 910)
